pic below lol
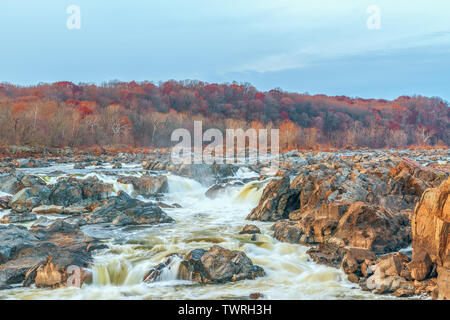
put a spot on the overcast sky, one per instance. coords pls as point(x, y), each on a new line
point(314, 46)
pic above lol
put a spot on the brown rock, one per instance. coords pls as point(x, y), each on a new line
point(420, 266)
point(250, 229)
point(443, 283)
point(277, 201)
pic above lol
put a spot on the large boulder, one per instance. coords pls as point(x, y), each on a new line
point(216, 265)
point(30, 197)
point(146, 186)
point(69, 191)
point(124, 210)
point(358, 225)
point(11, 183)
point(16, 181)
point(276, 202)
point(431, 236)
point(24, 251)
point(205, 173)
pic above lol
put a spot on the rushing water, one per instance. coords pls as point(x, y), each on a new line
point(201, 222)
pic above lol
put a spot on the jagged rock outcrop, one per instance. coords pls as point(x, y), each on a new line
point(341, 224)
point(431, 237)
point(277, 201)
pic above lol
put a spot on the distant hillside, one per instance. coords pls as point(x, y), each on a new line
point(144, 114)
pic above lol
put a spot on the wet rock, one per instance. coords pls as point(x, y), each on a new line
point(146, 186)
point(326, 254)
point(22, 250)
point(256, 296)
point(117, 165)
point(13, 239)
point(4, 202)
point(250, 229)
point(29, 197)
point(206, 174)
point(18, 217)
point(218, 265)
point(215, 190)
point(277, 201)
point(49, 275)
point(124, 210)
point(155, 273)
point(69, 191)
point(155, 165)
point(51, 209)
point(79, 166)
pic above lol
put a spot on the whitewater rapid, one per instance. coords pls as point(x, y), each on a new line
point(201, 222)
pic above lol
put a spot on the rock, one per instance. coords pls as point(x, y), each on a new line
point(373, 228)
point(256, 296)
point(4, 202)
point(155, 273)
point(218, 265)
point(205, 173)
point(353, 258)
point(146, 186)
point(381, 284)
point(22, 250)
point(277, 201)
point(431, 240)
point(443, 283)
point(431, 224)
point(52, 209)
point(69, 191)
point(124, 210)
point(29, 163)
point(326, 254)
point(18, 217)
point(29, 197)
point(48, 275)
point(406, 291)
point(357, 225)
point(79, 166)
point(420, 266)
point(117, 165)
point(11, 183)
point(353, 278)
point(13, 239)
point(250, 229)
point(215, 190)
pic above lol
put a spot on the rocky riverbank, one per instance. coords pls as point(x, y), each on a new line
point(358, 211)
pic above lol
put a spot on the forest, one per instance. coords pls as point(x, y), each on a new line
point(144, 114)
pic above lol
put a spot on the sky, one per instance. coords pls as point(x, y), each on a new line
point(363, 48)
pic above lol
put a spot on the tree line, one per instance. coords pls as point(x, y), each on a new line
point(143, 114)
